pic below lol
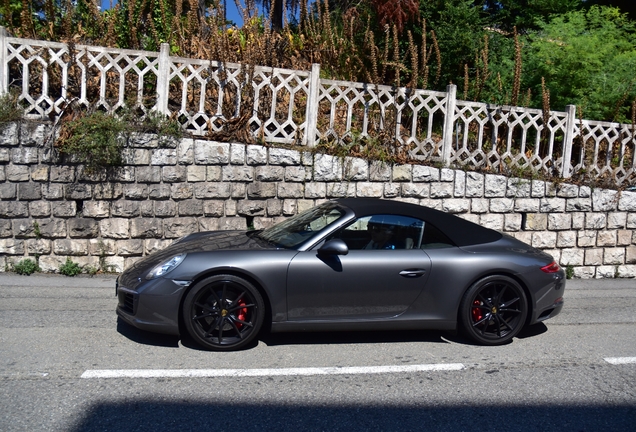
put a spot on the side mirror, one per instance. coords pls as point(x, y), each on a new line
point(334, 247)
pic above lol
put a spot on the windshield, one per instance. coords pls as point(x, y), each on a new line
point(295, 230)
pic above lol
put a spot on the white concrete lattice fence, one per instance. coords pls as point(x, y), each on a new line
point(298, 107)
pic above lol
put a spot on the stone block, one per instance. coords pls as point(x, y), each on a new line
point(115, 228)
point(552, 205)
point(130, 248)
point(238, 173)
point(630, 255)
point(124, 208)
point(566, 239)
point(163, 156)
point(211, 153)
point(441, 190)
point(627, 201)
point(369, 190)
point(624, 237)
point(251, 207)
point(492, 221)
point(197, 173)
point(328, 168)
point(38, 246)
point(544, 239)
point(181, 191)
point(274, 207)
point(381, 171)
point(578, 205)
point(356, 169)
point(108, 191)
point(495, 186)
point(604, 200)
point(416, 190)
point(290, 190)
point(341, 189)
point(17, 173)
point(13, 209)
point(148, 174)
point(593, 257)
point(279, 173)
point(29, 191)
point(474, 185)
point(83, 228)
point(573, 257)
point(174, 174)
point(185, 151)
point(238, 190)
point(64, 208)
point(614, 256)
point(5, 228)
point(421, 173)
point(159, 191)
point(155, 245)
point(595, 221)
point(616, 220)
point(96, 209)
point(393, 190)
point(479, 205)
point(24, 155)
point(586, 238)
point(459, 189)
point(512, 222)
point(280, 156)
point(165, 209)
point(214, 208)
point(39, 208)
point(135, 191)
point(402, 173)
point(502, 205)
point(527, 205)
point(606, 238)
point(291, 173)
point(566, 190)
point(519, 188)
point(40, 173)
point(256, 155)
point(237, 154)
point(559, 221)
point(314, 190)
point(178, 227)
point(25, 228)
point(70, 247)
point(8, 191)
point(190, 207)
point(77, 191)
point(146, 228)
point(536, 222)
point(455, 205)
point(261, 190)
point(51, 191)
point(11, 246)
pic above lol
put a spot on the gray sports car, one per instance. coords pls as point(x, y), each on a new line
point(347, 264)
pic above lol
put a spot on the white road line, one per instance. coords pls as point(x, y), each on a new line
point(620, 360)
point(198, 373)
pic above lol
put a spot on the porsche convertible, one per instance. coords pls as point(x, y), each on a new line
point(346, 264)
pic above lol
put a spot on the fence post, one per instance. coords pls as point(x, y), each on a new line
point(449, 122)
point(311, 113)
point(163, 79)
point(566, 166)
point(4, 67)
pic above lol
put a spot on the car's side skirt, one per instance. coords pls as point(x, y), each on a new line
point(360, 325)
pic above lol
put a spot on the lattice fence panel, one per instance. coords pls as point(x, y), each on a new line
point(605, 150)
point(348, 111)
point(498, 138)
point(51, 74)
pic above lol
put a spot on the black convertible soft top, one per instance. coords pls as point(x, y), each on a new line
point(460, 231)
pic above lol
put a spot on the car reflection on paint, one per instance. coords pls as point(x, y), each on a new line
point(347, 264)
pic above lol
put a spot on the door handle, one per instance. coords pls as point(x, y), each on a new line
point(412, 272)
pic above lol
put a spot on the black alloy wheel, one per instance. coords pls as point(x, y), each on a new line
point(223, 313)
point(493, 310)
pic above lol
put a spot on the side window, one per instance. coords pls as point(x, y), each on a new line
point(386, 232)
point(434, 238)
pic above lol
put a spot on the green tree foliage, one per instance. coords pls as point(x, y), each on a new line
point(525, 14)
point(587, 58)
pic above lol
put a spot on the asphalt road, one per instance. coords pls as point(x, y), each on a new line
point(57, 332)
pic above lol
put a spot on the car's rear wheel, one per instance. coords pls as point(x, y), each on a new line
point(223, 313)
point(493, 310)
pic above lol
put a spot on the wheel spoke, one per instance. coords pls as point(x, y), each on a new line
point(508, 303)
point(238, 332)
point(237, 307)
point(199, 317)
point(212, 327)
point(245, 323)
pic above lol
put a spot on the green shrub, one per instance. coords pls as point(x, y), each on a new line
point(569, 271)
point(69, 268)
point(26, 267)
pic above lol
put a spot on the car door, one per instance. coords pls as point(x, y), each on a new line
point(364, 283)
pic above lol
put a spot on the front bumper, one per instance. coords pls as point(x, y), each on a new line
point(152, 306)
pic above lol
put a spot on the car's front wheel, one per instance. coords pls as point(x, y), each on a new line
point(223, 312)
point(493, 310)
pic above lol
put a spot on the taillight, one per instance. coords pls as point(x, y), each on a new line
point(553, 267)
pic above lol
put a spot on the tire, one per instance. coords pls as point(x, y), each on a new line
point(493, 310)
point(223, 313)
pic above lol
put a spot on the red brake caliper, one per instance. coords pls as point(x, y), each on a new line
point(242, 313)
point(477, 315)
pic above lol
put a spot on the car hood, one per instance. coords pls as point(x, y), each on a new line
point(201, 242)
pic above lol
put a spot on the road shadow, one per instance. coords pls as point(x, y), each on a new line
point(221, 415)
point(145, 337)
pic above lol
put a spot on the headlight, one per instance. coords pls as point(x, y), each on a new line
point(165, 267)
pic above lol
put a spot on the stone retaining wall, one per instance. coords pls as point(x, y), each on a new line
point(54, 211)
